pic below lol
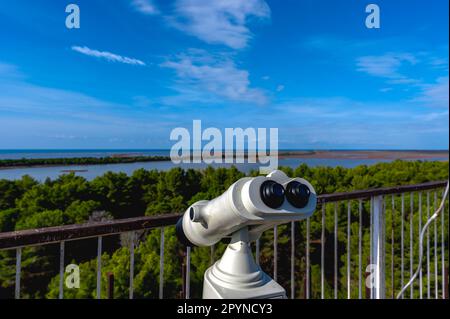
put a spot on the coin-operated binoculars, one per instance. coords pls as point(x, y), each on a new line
point(248, 208)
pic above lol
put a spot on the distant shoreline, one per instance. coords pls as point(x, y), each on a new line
point(78, 161)
point(134, 157)
point(338, 154)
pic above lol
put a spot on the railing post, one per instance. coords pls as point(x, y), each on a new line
point(392, 249)
point(322, 255)
point(161, 264)
point(348, 250)
point(131, 289)
point(18, 272)
point(444, 286)
point(257, 251)
point(99, 267)
point(336, 204)
point(308, 262)
point(61, 270)
point(188, 273)
point(275, 253)
point(378, 239)
point(360, 250)
point(211, 256)
point(292, 260)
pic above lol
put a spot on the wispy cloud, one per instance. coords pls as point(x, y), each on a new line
point(112, 57)
point(36, 116)
point(386, 66)
point(436, 94)
point(219, 22)
point(431, 117)
point(217, 75)
point(280, 88)
point(439, 63)
point(354, 123)
point(145, 6)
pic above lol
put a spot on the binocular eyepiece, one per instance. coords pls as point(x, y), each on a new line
point(273, 194)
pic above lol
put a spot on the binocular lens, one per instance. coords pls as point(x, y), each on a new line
point(272, 194)
point(297, 194)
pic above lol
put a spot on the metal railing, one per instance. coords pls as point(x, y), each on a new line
point(353, 206)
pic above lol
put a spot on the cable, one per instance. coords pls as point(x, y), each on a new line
point(432, 218)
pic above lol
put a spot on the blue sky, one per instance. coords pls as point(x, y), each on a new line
point(136, 69)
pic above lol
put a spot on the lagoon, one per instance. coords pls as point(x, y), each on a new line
point(91, 171)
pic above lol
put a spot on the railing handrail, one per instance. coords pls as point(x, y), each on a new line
point(48, 235)
point(362, 194)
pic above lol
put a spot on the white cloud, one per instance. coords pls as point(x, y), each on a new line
point(145, 6)
point(386, 66)
point(434, 116)
point(219, 21)
point(107, 55)
point(436, 94)
point(439, 63)
point(280, 88)
point(199, 72)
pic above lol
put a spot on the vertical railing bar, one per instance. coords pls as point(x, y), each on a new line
point(411, 244)
point(188, 273)
point(131, 288)
point(308, 274)
point(257, 251)
point(275, 253)
point(428, 249)
point(392, 246)
point(161, 265)
point(360, 251)
point(348, 249)
point(402, 243)
point(443, 246)
point(99, 267)
point(370, 229)
point(18, 271)
point(61, 270)
point(383, 252)
point(292, 260)
point(436, 274)
point(335, 250)
point(370, 239)
point(322, 255)
point(419, 231)
point(211, 255)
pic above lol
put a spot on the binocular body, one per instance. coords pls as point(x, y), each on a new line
point(258, 203)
